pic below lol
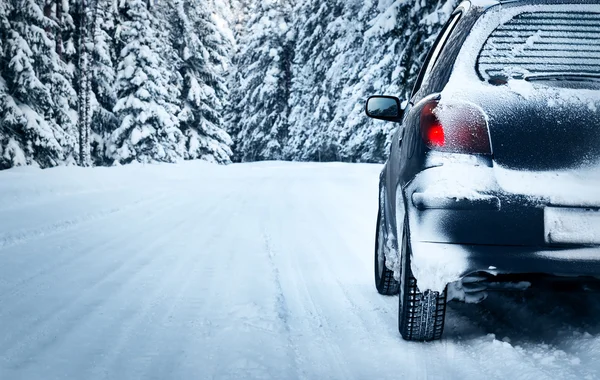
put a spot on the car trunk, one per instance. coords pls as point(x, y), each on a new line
point(536, 77)
point(544, 110)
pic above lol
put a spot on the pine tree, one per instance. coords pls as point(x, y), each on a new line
point(149, 130)
point(239, 15)
point(14, 150)
point(203, 50)
point(59, 75)
point(320, 26)
point(260, 101)
point(11, 118)
point(12, 121)
point(102, 81)
point(41, 101)
point(165, 22)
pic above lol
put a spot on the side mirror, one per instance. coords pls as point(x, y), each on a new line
point(384, 108)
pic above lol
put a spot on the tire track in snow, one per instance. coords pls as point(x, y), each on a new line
point(16, 238)
point(195, 269)
point(151, 320)
point(45, 199)
point(71, 258)
point(36, 335)
point(316, 322)
point(243, 327)
point(299, 247)
point(283, 312)
point(156, 295)
point(303, 325)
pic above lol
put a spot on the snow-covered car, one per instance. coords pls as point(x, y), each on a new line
point(494, 171)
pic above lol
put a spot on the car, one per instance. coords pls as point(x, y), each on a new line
point(493, 175)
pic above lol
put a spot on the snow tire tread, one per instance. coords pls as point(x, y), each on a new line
point(421, 315)
point(390, 285)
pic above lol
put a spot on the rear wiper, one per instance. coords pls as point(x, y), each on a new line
point(570, 77)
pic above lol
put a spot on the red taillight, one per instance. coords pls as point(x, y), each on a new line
point(435, 135)
point(431, 128)
point(455, 127)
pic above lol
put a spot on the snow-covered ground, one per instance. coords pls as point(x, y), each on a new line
point(256, 271)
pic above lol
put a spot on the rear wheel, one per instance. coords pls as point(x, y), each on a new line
point(420, 314)
point(384, 277)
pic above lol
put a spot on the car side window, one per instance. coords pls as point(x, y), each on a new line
point(435, 51)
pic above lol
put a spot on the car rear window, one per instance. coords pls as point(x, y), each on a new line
point(543, 43)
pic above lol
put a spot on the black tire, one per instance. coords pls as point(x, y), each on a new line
point(384, 277)
point(420, 315)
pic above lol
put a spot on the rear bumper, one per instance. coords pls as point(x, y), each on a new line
point(469, 237)
point(462, 222)
point(465, 204)
point(571, 262)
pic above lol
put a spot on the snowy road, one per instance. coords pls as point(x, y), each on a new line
point(259, 271)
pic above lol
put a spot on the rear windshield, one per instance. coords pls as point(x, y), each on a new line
point(560, 43)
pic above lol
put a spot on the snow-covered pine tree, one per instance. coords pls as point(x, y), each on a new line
point(39, 107)
point(165, 23)
point(238, 18)
point(13, 147)
point(260, 99)
point(60, 74)
point(232, 119)
point(103, 77)
point(5, 27)
point(203, 49)
point(12, 120)
point(321, 25)
point(149, 130)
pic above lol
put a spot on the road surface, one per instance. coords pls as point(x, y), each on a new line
point(254, 271)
